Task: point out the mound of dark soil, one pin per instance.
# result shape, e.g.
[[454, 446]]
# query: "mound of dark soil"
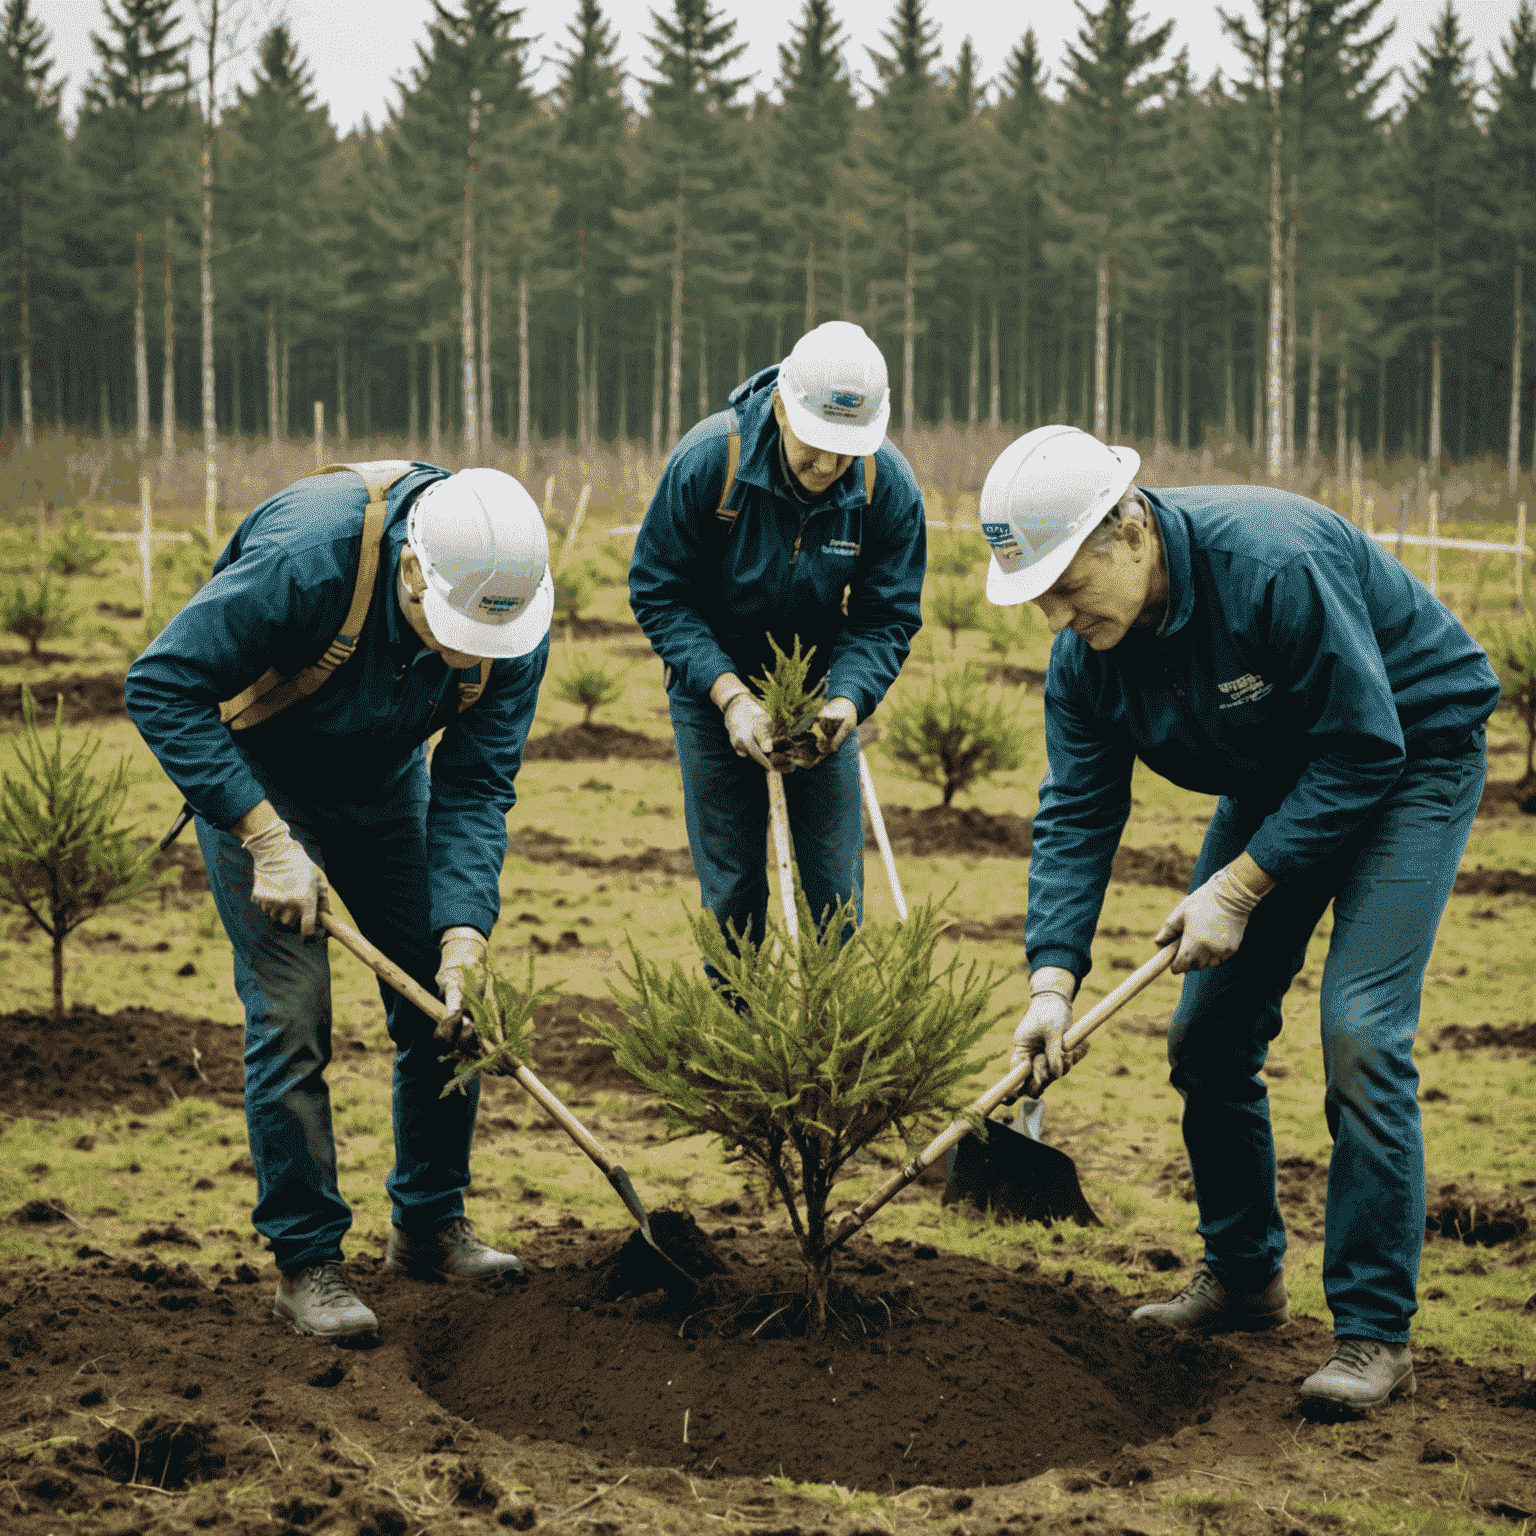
[[947, 829], [935, 1363], [1486, 1037], [1494, 882], [140, 1058], [1481, 1217], [85, 698], [564, 1049], [1506, 797], [589, 743], [551, 848]]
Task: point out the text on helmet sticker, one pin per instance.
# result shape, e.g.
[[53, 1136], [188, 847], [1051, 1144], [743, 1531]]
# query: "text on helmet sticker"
[[1005, 547]]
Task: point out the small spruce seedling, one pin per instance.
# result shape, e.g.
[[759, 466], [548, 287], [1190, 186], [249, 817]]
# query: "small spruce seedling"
[[503, 1019], [62, 855], [954, 734], [1513, 653], [589, 684], [792, 706]]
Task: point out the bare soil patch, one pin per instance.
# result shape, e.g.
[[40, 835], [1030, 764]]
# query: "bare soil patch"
[[551, 848], [590, 743], [1508, 797], [1486, 1037], [85, 698], [1479, 1217]]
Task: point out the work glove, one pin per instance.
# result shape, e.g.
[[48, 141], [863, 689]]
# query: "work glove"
[[462, 954], [750, 728], [1212, 920], [1038, 1039], [836, 722], [288, 885]]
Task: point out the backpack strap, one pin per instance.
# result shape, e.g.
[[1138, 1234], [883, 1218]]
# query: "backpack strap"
[[869, 480], [732, 463], [272, 692]]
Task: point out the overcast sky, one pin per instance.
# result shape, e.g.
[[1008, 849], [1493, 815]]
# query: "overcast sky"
[[360, 48]]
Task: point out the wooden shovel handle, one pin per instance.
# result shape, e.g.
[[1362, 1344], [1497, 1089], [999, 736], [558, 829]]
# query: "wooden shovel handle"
[[436, 1010], [779, 814], [1004, 1088]]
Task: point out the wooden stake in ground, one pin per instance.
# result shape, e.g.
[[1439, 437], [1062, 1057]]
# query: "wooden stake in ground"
[[575, 528], [877, 824], [1520, 558], [779, 814]]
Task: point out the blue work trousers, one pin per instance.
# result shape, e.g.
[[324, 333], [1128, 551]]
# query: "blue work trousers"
[[725, 800], [1389, 883], [375, 857]]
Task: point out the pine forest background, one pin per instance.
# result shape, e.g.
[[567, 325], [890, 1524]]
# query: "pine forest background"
[[1278, 264]]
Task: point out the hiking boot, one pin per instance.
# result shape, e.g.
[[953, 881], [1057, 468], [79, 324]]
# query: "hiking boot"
[[317, 1300], [453, 1250], [1205, 1305], [1361, 1374]]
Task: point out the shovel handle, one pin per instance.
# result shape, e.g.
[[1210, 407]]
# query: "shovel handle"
[[413, 992], [1005, 1088]]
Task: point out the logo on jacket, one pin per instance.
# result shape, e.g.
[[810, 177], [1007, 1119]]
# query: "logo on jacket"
[[846, 547], [1247, 689]]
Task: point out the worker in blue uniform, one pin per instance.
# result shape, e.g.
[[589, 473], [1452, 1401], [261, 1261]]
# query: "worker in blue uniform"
[[1246, 642], [351, 617], [785, 515]]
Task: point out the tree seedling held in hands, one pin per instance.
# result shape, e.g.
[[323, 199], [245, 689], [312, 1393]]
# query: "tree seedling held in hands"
[[589, 684], [502, 1019], [792, 706], [954, 734], [62, 856], [828, 1046]]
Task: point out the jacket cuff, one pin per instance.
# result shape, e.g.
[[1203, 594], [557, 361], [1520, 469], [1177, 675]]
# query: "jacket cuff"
[[1073, 960]]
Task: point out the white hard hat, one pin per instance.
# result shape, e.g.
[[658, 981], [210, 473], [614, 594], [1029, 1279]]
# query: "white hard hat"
[[1045, 494], [483, 550], [835, 389]]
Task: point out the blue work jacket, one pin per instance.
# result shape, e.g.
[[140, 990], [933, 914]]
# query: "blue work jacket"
[[1298, 668], [707, 594], [277, 598]]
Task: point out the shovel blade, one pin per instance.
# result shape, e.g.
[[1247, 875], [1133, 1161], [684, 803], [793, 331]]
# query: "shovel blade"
[[1017, 1178]]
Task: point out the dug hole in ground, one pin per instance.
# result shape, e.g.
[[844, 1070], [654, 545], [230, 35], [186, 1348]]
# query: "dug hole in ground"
[[145, 1386]]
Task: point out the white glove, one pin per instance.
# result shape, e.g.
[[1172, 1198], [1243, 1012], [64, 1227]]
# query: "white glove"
[[836, 722], [750, 728], [288, 885], [1038, 1039], [462, 952], [1212, 920]]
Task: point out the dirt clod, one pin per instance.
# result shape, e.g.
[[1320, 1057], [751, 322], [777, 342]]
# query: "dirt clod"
[[636, 1269], [163, 1452]]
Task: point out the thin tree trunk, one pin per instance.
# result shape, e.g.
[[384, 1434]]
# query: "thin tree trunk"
[[810, 281], [26, 344], [272, 373], [343, 432], [412, 399], [103, 387], [1381, 407], [1261, 377], [675, 371], [1026, 278], [658, 356], [581, 338], [703, 366], [623, 424], [205, 296], [285, 376], [1186, 405], [435, 403], [1341, 425], [1101, 352], [1292, 220], [236, 387], [168, 360], [909, 319], [467, 286], [741, 348], [1229, 392], [1436, 385], [994, 370], [1516, 359], [1090, 345], [140, 346], [1117, 379], [1275, 452], [485, 359], [58, 972], [973, 394], [1314, 388], [524, 369], [594, 399], [1159, 424], [1064, 369]]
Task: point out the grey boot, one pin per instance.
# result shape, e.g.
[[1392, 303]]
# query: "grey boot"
[[1205, 1305], [317, 1300], [453, 1250], [1361, 1374]]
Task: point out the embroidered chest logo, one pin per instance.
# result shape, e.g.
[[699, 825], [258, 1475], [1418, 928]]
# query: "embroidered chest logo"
[[1247, 689], [845, 547]]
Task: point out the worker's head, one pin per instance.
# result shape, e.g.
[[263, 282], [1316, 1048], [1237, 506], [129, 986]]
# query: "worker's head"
[[832, 402], [474, 573], [1070, 533]]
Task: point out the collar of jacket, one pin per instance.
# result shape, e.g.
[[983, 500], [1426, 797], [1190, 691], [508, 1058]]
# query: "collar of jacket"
[[1173, 528], [753, 404]]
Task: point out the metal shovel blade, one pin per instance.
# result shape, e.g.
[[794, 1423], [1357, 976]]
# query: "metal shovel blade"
[[626, 1192], [1017, 1178]]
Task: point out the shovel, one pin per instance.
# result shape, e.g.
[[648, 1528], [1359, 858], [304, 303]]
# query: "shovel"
[[1041, 1179], [445, 1018]]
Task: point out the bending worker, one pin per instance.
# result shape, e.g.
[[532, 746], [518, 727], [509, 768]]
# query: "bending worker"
[[1248, 643], [342, 627], [789, 515]]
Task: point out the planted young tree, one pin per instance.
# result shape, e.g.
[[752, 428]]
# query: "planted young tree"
[[956, 606], [35, 614], [589, 684], [955, 734], [75, 550], [62, 855], [1513, 652], [574, 588], [829, 1046]]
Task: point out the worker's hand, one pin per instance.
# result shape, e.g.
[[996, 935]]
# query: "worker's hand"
[[1038, 1039], [1211, 920], [836, 722], [750, 728], [462, 954], [288, 885]]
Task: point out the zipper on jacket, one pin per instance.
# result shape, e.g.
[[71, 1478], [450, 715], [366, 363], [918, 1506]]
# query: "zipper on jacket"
[[804, 516]]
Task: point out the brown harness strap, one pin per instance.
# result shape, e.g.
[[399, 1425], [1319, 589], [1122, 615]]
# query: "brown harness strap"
[[272, 693], [733, 462]]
